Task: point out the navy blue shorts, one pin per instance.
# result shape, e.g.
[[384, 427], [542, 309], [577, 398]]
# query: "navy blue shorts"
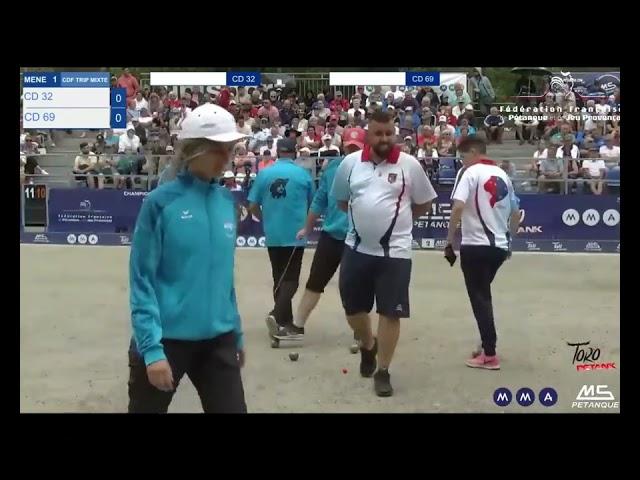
[[365, 278]]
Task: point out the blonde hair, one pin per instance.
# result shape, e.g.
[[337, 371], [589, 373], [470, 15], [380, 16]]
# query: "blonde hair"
[[187, 151]]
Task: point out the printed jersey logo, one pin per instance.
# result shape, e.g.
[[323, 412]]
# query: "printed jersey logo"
[[278, 188], [392, 177], [497, 188], [186, 215]]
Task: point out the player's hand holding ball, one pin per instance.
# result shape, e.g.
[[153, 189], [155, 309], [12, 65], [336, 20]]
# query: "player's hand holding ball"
[[160, 375], [450, 254]]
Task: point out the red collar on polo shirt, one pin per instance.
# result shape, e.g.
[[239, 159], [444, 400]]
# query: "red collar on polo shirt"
[[487, 161], [393, 157]]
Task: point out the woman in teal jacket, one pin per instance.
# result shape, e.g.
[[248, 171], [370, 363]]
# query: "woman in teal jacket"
[[183, 302]]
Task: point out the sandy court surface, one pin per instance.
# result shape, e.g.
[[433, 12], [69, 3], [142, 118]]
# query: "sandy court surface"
[[74, 334]]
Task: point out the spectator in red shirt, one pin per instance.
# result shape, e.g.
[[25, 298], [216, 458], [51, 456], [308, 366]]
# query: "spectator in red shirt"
[[224, 97], [269, 110], [339, 100], [129, 82], [172, 102]]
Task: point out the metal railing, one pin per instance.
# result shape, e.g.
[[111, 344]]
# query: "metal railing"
[[524, 179]]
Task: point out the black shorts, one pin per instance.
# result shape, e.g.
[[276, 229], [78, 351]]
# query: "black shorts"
[[325, 262], [365, 277]]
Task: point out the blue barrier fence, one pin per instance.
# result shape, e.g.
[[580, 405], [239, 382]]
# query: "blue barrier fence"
[[548, 222]]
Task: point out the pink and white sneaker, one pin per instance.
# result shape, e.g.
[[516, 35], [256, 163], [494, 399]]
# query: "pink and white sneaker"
[[484, 361], [477, 351]]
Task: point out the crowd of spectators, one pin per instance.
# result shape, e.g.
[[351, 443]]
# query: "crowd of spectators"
[[429, 124]]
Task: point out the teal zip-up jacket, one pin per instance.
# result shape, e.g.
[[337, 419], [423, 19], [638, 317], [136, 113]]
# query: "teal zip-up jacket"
[[336, 222], [181, 266]]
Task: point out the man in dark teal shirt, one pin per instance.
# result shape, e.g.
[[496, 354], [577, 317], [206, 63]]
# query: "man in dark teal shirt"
[[331, 242], [284, 191]]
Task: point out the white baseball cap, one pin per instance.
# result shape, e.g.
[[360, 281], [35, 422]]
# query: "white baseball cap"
[[442, 118], [211, 122]]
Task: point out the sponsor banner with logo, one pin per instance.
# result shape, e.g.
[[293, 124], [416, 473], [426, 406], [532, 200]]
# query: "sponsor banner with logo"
[[73, 210], [549, 223], [586, 83]]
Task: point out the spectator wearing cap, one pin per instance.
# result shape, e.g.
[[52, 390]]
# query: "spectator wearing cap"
[[130, 83], [443, 126], [100, 147], [469, 116], [281, 196], [241, 181], [328, 145], [229, 180], [269, 111], [339, 99], [114, 82], [459, 109], [311, 140], [129, 142], [427, 117], [494, 126]]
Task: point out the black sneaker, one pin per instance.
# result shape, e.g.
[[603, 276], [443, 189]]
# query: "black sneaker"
[[368, 362], [382, 383], [290, 332]]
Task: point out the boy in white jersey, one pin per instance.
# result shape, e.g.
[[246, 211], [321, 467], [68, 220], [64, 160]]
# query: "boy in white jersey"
[[484, 199], [383, 190]]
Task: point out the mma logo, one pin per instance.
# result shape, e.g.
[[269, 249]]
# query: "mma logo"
[[241, 241], [252, 241], [525, 396], [262, 241]]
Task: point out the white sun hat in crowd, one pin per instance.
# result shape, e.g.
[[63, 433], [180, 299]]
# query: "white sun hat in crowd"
[[228, 174], [211, 122]]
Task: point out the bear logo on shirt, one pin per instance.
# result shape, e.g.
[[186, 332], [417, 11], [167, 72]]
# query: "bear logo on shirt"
[[278, 188], [497, 188]]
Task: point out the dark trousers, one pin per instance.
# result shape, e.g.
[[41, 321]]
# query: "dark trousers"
[[285, 269], [211, 365], [479, 266]]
